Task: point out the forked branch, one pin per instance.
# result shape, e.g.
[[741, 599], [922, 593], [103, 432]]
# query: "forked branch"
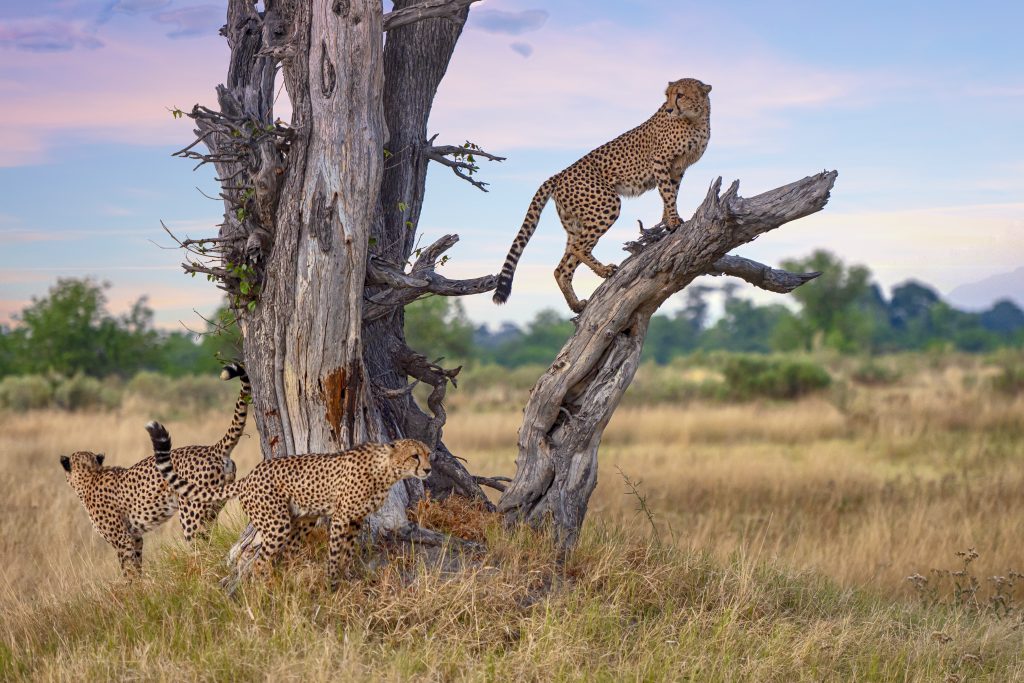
[[404, 288], [428, 9], [462, 161]]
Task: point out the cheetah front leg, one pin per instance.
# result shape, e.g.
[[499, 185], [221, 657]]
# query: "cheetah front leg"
[[342, 544], [668, 188]]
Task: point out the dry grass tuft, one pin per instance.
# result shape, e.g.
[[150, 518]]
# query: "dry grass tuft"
[[456, 516]]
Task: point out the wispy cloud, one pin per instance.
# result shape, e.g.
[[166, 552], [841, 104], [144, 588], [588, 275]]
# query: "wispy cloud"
[[23, 235], [197, 20], [121, 93], [509, 23], [47, 35], [130, 8], [525, 49]]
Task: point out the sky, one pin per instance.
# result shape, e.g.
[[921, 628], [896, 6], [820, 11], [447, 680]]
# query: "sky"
[[918, 105]]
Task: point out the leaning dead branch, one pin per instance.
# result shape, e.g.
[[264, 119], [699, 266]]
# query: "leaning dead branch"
[[569, 407]]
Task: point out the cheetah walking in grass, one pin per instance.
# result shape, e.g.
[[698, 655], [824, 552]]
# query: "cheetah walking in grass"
[[285, 496], [126, 502]]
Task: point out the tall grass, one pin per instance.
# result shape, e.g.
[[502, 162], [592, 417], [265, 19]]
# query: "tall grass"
[[788, 531]]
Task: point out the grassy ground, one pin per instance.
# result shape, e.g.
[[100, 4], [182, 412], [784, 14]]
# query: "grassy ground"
[[782, 538]]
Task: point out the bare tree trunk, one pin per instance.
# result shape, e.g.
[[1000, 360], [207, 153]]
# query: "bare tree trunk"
[[304, 204], [416, 57], [569, 407]]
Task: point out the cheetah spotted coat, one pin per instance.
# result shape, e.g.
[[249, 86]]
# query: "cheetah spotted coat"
[[124, 503], [654, 154], [284, 497]]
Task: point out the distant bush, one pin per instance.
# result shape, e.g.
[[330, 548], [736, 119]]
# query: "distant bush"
[[676, 383], [748, 377], [25, 392], [871, 372], [1010, 379], [172, 397], [82, 392]]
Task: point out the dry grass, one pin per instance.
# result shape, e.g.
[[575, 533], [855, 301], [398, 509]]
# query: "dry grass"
[[789, 531]]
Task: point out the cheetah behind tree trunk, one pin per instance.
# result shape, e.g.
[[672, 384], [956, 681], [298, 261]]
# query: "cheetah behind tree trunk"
[[654, 154], [124, 503], [285, 496]]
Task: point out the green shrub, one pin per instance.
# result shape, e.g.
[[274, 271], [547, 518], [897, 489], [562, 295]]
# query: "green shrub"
[[748, 377], [82, 392], [25, 392]]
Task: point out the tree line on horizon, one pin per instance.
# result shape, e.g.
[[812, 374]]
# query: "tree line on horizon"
[[70, 331]]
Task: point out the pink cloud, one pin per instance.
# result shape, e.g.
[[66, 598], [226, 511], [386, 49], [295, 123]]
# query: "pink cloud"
[[574, 91], [121, 93], [47, 35]]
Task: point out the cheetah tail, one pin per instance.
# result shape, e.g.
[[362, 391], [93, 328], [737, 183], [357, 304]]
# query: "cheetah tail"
[[237, 426], [508, 271], [183, 488]]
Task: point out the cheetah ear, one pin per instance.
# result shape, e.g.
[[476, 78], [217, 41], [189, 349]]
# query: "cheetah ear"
[[99, 458], [65, 462], [707, 88]]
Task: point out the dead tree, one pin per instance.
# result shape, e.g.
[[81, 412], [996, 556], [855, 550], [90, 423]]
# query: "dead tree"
[[320, 221], [569, 407]]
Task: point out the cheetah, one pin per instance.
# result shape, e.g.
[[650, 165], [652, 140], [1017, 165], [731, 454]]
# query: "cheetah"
[[285, 496], [654, 154], [124, 503]]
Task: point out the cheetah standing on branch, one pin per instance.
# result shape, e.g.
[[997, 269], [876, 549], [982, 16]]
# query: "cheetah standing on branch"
[[654, 154], [124, 503], [285, 496]]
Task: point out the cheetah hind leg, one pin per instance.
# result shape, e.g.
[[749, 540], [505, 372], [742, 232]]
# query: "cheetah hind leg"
[[604, 270], [594, 221], [129, 554], [563, 276], [302, 527]]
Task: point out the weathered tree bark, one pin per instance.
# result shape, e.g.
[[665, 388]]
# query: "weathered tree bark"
[[307, 202], [569, 407]]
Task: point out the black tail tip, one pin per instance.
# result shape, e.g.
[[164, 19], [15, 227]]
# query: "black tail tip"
[[502, 291], [232, 370], [157, 432]]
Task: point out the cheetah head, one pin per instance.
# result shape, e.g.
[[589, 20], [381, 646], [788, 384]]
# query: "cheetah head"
[[81, 466], [411, 458], [687, 99]]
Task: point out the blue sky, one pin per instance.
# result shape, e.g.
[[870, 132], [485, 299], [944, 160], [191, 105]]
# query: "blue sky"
[[918, 105]]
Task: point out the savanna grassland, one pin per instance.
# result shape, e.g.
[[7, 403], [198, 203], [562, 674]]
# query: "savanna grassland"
[[776, 544]]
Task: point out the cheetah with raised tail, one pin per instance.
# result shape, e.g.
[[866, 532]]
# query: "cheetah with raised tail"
[[654, 154], [285, 496], [124, 503]]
